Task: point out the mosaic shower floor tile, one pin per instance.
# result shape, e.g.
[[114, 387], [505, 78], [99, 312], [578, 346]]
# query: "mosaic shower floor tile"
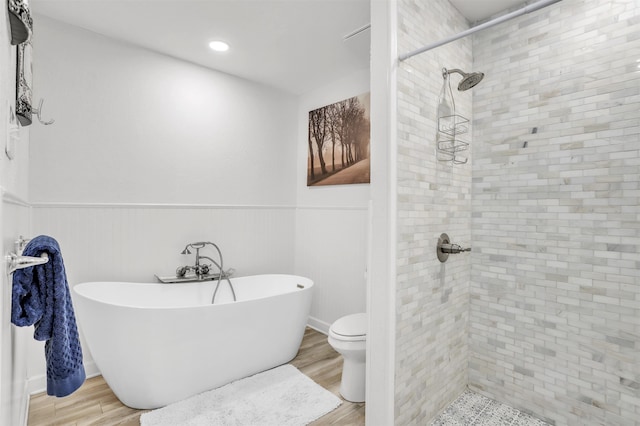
[[473, 409]]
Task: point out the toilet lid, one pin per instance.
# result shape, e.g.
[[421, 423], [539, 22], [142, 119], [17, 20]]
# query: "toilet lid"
[[351, 326]]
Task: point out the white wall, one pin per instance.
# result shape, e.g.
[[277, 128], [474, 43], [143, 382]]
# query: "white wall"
[[381, 279], [331, 221], [134, 126], [132, 243], [14, 220], [16, 341]]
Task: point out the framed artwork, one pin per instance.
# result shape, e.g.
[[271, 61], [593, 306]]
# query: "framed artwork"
[[24, 78], [339, 141]]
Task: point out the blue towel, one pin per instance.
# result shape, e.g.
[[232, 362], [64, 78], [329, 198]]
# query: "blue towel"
[[41, 297]]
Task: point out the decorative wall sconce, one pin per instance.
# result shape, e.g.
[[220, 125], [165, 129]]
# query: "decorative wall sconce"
[[23, 84], [20, 21], [21, 31], [24, 77]]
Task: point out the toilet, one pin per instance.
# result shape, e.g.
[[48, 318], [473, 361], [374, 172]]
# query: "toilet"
[[348, 336]]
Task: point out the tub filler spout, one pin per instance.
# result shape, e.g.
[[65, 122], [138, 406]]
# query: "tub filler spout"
[[202, 270]]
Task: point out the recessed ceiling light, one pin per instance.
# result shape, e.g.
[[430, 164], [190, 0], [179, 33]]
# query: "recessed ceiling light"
[[219, 46]]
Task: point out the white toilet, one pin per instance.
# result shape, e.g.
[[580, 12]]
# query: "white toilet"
[[348, 336]]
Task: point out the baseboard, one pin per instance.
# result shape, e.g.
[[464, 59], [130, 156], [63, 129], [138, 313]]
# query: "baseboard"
[[38, 384], [318, 325]]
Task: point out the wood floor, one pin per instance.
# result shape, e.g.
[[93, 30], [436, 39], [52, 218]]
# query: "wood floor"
[[95, 404]]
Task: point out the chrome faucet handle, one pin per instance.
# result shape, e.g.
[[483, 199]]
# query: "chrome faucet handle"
[[181, 271], [202, 270]]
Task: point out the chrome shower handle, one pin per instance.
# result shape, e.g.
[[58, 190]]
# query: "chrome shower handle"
[[445, 248], [453, 248]]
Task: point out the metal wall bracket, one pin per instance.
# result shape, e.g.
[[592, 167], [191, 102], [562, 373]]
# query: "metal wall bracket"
[[15, 262]]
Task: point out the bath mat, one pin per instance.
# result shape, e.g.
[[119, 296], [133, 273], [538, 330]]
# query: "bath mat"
[[278, 397]]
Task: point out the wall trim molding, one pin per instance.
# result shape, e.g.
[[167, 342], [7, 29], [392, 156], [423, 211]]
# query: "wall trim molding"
[[11, 198], [62, 205], [160, 206], [361, 208]]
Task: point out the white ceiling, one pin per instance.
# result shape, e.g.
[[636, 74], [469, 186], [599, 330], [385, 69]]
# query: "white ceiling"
[[478, 10], [294, 45]]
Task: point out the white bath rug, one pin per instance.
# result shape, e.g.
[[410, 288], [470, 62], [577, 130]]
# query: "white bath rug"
[[278, 397]]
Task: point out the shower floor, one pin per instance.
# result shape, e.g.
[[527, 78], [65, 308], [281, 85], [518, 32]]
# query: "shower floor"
[[472, 409]]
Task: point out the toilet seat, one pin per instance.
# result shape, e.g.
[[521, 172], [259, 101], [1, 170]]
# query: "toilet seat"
[[350, 328]]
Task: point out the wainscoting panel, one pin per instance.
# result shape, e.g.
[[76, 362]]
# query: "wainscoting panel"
[[331, 249], [132, 243], [14, 341]]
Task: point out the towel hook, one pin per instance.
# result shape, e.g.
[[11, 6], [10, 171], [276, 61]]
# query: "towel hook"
[[38, 112]]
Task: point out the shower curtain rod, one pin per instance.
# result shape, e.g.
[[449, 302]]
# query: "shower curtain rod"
[[527, 9]]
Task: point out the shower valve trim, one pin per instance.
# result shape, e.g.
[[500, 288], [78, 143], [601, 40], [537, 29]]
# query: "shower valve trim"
[[445, 248]]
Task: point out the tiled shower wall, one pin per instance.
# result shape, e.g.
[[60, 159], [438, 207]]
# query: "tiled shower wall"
[[432, 298], [555, 288]]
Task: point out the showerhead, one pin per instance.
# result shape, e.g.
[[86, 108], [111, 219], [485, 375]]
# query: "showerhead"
[[468, 80]]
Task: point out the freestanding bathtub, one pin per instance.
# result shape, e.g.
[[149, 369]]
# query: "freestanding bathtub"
[[160, 343]]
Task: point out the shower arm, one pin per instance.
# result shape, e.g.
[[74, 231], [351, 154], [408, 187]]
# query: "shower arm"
[[527, 9], [456, 70]]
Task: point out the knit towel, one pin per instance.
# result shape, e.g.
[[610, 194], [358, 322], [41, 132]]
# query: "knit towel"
[[41, 297]]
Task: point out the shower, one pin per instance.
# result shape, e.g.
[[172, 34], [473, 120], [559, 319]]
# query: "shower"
[[468, 81]]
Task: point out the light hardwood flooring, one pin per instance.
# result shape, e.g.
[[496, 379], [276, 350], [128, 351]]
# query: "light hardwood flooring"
[[95, 404]]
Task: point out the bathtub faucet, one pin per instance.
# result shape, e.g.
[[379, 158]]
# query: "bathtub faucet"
[[203, 269], [199, 269]]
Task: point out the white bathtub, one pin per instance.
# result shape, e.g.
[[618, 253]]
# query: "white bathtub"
[[160, 343]]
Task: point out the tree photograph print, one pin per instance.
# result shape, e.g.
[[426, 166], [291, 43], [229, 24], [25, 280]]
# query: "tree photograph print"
[[339, 143]]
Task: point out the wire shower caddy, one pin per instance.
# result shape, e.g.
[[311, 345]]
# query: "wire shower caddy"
[[449, 146]]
